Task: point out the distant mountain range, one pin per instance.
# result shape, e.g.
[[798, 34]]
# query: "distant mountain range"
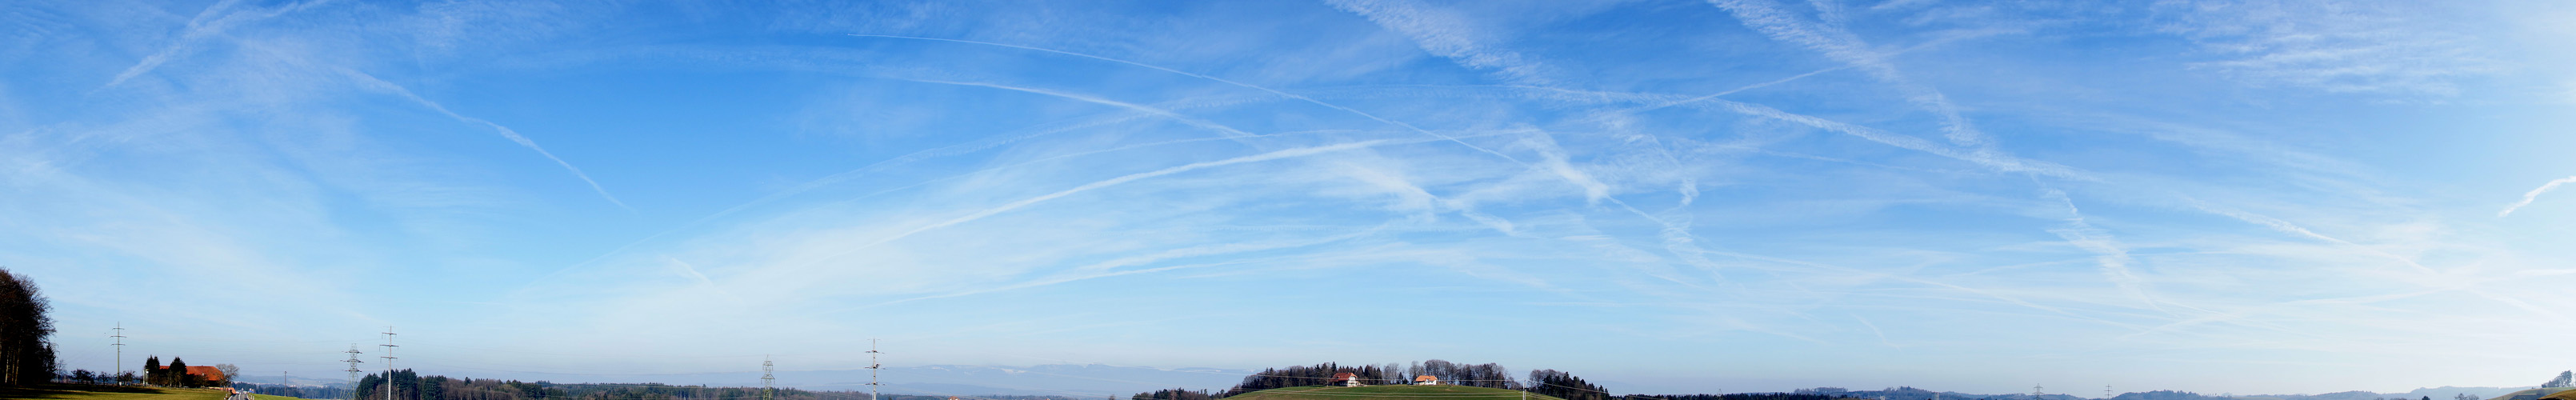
[[1072, 381], [1908, 393], [1097, 380]]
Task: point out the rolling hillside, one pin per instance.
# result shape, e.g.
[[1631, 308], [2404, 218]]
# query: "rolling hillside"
[[2555, 392], [2561, 394], [1388, 392]]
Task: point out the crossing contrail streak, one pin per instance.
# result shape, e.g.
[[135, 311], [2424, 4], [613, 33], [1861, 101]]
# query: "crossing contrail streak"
[[506, 132]]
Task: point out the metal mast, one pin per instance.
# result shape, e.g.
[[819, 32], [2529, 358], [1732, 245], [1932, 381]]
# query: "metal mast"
[[353, 367], [389, 362], [120, 349], [767, 391], [873, 366], [2035, 393]]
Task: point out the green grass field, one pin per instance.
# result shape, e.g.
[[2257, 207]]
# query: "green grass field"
[[91, 392], [1388, 392]]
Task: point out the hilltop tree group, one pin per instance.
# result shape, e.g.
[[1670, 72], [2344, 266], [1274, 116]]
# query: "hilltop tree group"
[[1565, 386], [26, 354], [1544, 382]]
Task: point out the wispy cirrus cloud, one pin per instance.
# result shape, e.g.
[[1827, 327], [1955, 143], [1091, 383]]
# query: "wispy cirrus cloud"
[[2335, 46], [1809, 184]]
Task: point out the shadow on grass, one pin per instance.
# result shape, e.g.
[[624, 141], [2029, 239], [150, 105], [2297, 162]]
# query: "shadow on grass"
[[62, 391]]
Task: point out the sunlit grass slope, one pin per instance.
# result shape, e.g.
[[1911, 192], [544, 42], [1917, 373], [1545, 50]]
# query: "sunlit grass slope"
[[2560, 394], [1387, 392]]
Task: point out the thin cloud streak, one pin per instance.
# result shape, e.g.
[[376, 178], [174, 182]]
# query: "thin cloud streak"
[[1842, 45], [380, 85], [1007, 207], [2534, 194], [198, 30]]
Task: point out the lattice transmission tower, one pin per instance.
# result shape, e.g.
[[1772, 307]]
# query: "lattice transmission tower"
[[353, 366], [120, 351], [768, 391]]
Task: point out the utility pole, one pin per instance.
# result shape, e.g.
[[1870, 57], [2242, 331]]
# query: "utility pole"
[[120, 350], [2035, 392], [873, 366], [2106, 392], [767, 392], [389, 362]]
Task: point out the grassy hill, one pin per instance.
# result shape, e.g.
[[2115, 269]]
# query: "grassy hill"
[[93, 392], [2550, 392], [1387, 392], [2561, 394]]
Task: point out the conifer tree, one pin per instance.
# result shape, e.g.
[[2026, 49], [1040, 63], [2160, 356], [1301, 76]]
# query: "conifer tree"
[[152, 371], [178, 373]]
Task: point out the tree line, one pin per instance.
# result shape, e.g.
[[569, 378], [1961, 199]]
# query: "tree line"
[[26, 353], [176, 374], [1545, 382], [304, 392], [409, 385], [1479, 375]]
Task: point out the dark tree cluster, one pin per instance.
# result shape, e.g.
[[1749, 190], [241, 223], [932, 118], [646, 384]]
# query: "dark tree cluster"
[[2564, 379], [1565, 386], [1174, 394], [26, 356], [295, 391], [1488, 375], [173, 375], [1305, 375], [97, 377], [2174, 395], [408, 385], [656, 391]]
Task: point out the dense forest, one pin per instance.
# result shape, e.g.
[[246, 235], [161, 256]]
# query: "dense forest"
[[1565, 386], [26, 356]]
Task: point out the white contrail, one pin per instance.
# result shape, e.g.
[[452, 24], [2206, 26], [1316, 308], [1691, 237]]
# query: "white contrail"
[[2113, 259], [199, 29], [1275, 155], [1229, 132], [2534, 194], [1981, 156], [506, 132], [1445, 35], [1309, 100], [1842, 45], [2286, 226], [1685, 246]]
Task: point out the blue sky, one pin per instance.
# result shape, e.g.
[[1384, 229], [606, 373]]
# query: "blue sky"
[[1674, 196]]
